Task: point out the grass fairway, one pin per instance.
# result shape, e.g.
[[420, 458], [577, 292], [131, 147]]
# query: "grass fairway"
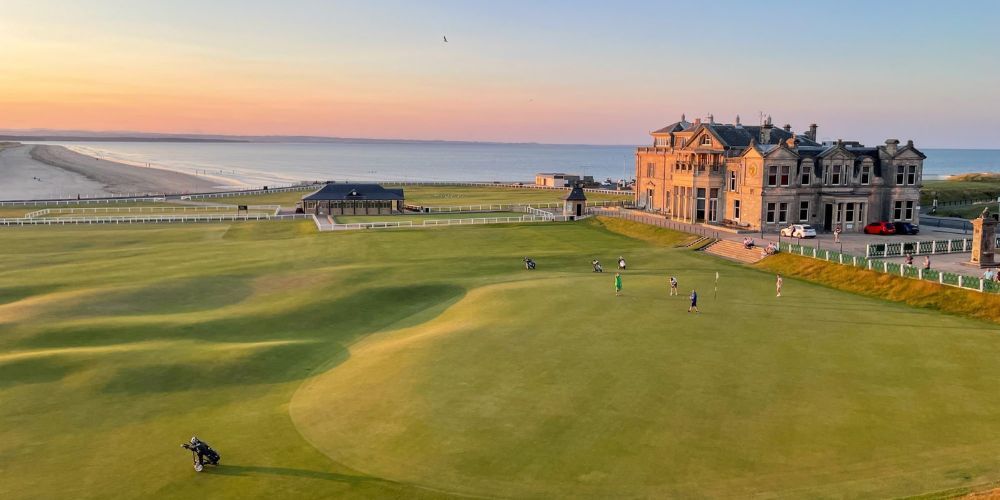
[[428, 364], [438, 196]]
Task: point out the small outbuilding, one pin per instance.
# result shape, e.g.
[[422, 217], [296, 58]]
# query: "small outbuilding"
[[576, 202], [353, 199]]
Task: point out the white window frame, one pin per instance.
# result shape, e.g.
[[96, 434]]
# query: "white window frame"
[[736, 209], [769, 217], [706, 140], [784, 175], [866, 175], [733, 184], [782, 212], [900, 175], [804, 176], [836, 174], [772, 168], [803, 210], [911, 175]]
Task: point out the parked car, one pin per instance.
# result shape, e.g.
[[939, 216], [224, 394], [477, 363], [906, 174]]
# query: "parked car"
[[880, 228], [905, 228], [799, 231]]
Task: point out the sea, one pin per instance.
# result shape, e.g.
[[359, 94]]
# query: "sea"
[[274, 163]]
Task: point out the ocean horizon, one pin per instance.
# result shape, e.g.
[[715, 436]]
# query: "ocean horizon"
[[259, 163]]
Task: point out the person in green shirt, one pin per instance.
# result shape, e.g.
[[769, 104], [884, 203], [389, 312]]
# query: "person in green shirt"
[[618, 284]]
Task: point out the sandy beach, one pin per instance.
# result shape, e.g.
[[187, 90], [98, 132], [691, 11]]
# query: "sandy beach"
[[44, 172]]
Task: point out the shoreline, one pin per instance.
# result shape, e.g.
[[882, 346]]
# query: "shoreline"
[[122, 178], [33, 172]]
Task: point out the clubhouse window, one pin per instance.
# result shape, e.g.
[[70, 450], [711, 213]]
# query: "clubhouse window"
[[661, 141], [806, 170], [849, 212], [900, 174], [732, 180], [835, 175], [772, 175], [803, 211], [903, 210], [650, 169], [785, 174], [706, 140], [770, 212], [782, 212], [911, 175], [866, 175], [736, 209]]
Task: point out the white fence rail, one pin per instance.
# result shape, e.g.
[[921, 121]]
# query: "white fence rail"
[[253, 192], [929, 247], [898, 269], [149, 219], [434, 222], [84, 201], [112, 211], [508, 207]]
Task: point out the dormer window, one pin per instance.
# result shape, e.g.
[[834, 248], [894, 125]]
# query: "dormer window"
[[706, 140]]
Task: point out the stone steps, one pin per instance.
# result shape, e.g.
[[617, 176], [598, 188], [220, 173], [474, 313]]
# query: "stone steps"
[[733, 250]]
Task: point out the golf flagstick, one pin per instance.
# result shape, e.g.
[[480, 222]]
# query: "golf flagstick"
[[716, 284]]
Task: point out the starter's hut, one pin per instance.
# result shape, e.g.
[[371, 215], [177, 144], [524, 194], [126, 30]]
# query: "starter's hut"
[[353, 199], [576, 202]]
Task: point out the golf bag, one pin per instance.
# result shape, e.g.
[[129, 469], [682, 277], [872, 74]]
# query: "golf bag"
[[203, 455], [529, 264]]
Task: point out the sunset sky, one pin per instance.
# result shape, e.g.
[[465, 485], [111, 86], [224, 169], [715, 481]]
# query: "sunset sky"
[[558, 72]]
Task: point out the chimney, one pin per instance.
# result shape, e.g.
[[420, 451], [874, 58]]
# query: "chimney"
[[891, 146], [738, 121], [909, 143], [697, 121], [787, 127], [711, 118], [812, 132], [765, 131]]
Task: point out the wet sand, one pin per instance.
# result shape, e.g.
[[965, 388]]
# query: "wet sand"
[[45, 172]]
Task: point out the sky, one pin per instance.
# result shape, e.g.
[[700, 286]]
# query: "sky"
[[579, 72]]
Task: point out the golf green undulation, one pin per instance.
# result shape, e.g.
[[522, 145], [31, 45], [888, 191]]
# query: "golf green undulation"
[[429, 363]]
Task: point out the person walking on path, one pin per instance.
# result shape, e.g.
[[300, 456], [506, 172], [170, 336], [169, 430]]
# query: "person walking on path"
[[777, 284], [836, 234], [927, 262], [673, 286], [618, 284], [694, 301]]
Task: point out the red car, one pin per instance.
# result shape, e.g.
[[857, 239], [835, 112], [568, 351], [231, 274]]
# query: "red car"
[[884, 228]]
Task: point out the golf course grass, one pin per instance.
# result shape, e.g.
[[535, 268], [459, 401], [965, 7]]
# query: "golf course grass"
[[352, 219], [430, 364], [440, 196]]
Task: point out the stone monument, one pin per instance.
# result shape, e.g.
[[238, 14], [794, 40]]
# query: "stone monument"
[[984, 240]]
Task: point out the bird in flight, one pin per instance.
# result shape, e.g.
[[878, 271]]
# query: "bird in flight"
[[445, 39]]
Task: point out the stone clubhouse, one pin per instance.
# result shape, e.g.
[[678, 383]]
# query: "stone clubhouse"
[[353, 199]]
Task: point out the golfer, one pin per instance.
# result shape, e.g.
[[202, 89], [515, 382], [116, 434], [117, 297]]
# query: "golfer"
[[618, 284], [673, 286], [694, 301], [777, 284]]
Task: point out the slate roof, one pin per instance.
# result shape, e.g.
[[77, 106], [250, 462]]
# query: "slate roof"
[[576, 194], [674, 127], [337, 192]]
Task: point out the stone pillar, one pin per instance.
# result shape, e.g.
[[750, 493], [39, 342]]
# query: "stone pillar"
[[984, 233]]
